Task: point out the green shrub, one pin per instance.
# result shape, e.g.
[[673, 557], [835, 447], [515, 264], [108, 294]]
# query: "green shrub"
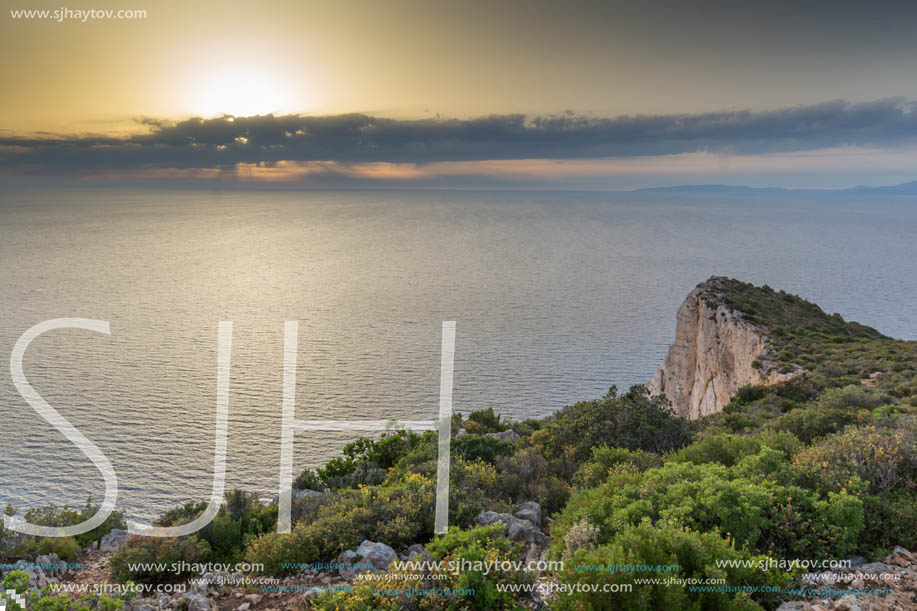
[[885, 458], [365, 461], [527, 476], [308, 479], [727, 449], [241, 518], [398, 513], [894, 415], [810, 423], [58, 517], [889, 521], [695, 554], [634, 421], [388, 449], [182, 514], [152, 551], [227, 536], [481, 544], [363, 473], [786, 521], [66, 548], [750, 393], [604, 459], [47, 601], [484, 421], [338, 467], [459, 549], [18, 581], [480, 447], [768, 465], [853, 397]]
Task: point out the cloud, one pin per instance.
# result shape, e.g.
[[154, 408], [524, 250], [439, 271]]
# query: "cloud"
[[317, 144]]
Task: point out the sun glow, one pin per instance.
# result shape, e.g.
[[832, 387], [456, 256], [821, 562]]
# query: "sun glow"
[[241, 94]]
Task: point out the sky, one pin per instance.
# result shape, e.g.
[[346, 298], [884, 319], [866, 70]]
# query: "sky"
[[597, 94]]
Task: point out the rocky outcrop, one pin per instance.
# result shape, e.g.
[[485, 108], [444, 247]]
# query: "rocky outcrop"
[[114, 540], [531, 511], [510, 436], [369, 556], [516, 527], [44, 571], [714, 354]]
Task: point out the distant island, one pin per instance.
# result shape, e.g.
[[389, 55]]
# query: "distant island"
[[771, 463], [907, 188]]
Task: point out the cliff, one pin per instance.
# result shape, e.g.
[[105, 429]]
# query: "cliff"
[[716, 351]]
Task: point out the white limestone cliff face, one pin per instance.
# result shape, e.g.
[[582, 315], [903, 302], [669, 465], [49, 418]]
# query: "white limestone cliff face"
[[712, 356]]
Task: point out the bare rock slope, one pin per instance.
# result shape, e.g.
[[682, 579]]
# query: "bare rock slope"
[[715, 353]]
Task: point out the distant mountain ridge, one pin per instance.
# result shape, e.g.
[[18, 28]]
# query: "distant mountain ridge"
[[907, 188]]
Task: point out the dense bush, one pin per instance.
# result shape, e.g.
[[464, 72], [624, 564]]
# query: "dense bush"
[[48, 600], [787, 521], [398, 514], [634, 421], [695, 554], [476, 589], [152, 551], [809, 423], [480, 447], [850, 398], [388, 449], [308, 479], [65, 547], [604, 459], [17, 581], [484, 421], [365, 461], [527, 476], [768, 465], [728, 449], [240, 520], [750, 393], [362, 473], [884, 458], [889, 521]]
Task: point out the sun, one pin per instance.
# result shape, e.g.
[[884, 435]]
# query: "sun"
[[241, 94]]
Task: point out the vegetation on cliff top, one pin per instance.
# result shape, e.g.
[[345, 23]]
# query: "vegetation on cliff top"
[[803, 336], [783, 313]]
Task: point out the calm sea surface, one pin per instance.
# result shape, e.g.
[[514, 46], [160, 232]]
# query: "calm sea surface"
[[557, 296]]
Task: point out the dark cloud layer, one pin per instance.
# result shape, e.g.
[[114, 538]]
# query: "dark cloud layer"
[[355, 138]]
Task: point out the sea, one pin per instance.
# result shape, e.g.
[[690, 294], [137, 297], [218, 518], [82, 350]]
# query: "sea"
[[556, 296]]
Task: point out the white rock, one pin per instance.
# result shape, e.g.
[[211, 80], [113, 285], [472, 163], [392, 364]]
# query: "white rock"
[[198, 602], [711, 357], [531, 511]]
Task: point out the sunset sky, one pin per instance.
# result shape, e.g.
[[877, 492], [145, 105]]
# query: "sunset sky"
[[447, 93]]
